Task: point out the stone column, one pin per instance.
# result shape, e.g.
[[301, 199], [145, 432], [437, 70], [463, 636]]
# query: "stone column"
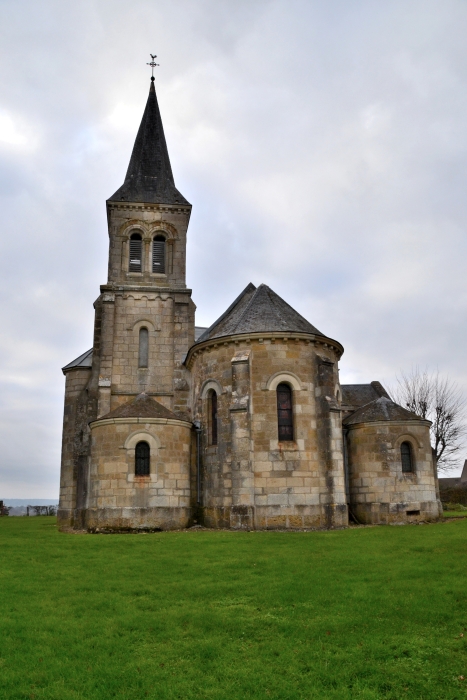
[[331, 445], [242, 473], [106, 352]]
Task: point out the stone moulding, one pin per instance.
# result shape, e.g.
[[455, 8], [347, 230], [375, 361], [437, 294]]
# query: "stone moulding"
[[385, 423], [273, 381], [207, 345], [210, 384], [148, 207], [141, 421]]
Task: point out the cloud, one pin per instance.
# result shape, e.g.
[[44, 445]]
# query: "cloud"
[[322, 145]]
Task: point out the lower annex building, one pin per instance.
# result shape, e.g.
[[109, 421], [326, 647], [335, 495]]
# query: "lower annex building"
[[241, 425]]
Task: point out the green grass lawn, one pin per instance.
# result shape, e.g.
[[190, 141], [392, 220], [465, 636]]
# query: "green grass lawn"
[[367, 613]]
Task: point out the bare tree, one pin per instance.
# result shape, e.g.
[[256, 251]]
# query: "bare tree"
[[441, 401]]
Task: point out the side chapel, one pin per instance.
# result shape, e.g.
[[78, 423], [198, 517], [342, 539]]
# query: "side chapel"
[[241, 425]]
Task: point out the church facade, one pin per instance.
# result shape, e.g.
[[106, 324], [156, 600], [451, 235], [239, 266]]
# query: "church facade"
[[241, 425]]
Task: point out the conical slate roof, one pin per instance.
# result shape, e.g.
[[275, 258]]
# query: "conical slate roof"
[[149, 176], [258, 310], [84, 360], [141, 407], [381, 409]]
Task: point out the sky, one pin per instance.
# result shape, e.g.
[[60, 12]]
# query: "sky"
[[322, 144]]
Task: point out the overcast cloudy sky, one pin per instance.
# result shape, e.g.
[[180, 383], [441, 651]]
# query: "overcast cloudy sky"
[[322, 143]]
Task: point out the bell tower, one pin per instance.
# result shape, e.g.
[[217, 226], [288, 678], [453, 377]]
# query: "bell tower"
[[144, 314], [144, 327]]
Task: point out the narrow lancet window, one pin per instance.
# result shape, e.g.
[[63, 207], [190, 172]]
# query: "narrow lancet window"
[[212, 407], [284, 412], [143, 354], [407, 457], [142, 453], [158, 254], [136, 251]]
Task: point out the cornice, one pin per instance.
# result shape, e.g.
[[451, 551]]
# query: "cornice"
[[141, 421], [142, 206], [317, 340], [376, 423], [119, 289]]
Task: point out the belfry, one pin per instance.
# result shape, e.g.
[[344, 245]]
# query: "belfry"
[[241, 425]]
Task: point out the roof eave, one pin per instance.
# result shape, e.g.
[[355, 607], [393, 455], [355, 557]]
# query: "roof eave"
[[266, 335]]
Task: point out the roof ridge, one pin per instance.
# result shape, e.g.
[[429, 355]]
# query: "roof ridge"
[[247, 306]]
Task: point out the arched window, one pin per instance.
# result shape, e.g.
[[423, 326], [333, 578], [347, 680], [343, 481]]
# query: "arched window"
[[143, 353], [158, 254], [212, 417], [136, 251], [407, 457], [142, 459], [284, 412]]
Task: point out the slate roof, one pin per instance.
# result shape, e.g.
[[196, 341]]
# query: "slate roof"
[[149, 176], [84, 360], [141, 407], [258, 310], [356, 395], [199, 330], [382, 409]]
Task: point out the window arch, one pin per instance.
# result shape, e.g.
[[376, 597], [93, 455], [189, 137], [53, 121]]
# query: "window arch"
[[136, 253], [212, 417], [158, 254], [142, 459], [407, 457], [284, 412], [143, 350]]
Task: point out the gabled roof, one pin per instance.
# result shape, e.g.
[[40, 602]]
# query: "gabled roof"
[[84, 360], [258, 310], [382, 409], [149, 176], [141, 407]]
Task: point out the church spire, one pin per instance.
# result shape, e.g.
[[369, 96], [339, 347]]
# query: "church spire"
[[149, 176]]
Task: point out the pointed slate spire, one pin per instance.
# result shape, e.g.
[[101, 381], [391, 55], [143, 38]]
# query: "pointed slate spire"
[[149, 176]]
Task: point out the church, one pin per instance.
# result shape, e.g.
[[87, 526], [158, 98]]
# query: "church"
[[241, 425]]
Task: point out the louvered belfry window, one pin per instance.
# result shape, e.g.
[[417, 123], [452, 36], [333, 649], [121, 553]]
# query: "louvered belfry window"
[[136, 250], [284, 412], [142, 459], [406, 457], [158, 255]]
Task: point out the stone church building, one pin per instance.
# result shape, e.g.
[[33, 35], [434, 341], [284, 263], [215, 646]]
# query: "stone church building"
[[241, 425]]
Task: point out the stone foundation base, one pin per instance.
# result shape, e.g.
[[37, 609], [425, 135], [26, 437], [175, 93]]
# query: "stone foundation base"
[[387, 513], [322, 517], [124, 519]]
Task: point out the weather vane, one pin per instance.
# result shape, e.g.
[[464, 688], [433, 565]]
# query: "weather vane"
[[153, 64]]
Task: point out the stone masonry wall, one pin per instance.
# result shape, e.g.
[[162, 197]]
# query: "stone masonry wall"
[[74, 444], [379, 491], [250, 478], [118, 499]]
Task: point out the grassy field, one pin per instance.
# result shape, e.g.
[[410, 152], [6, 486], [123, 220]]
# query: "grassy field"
[[366, 613]]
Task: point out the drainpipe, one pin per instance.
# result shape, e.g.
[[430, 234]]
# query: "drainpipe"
[[197, 427]]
